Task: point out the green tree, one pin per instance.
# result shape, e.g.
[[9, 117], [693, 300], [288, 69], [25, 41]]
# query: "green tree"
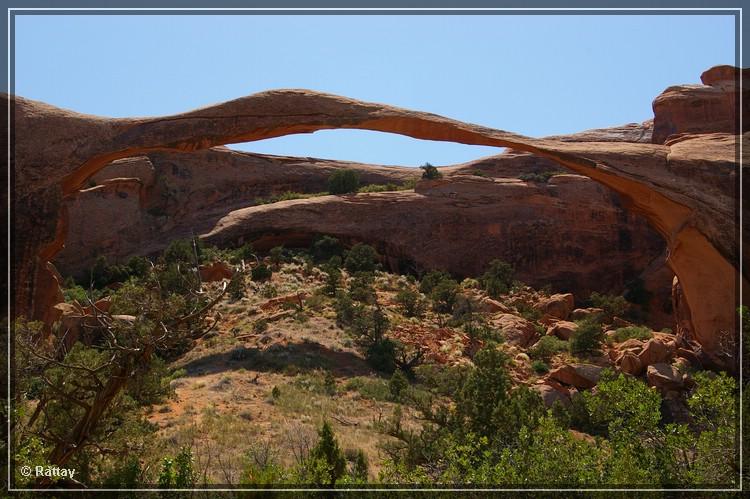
[[588, 337], [431, 279], [430, 172], [326, 247], [410, 302], [361, 258], [397, 385], [328, 453], [343, 182], [498, 278], [443, 296]]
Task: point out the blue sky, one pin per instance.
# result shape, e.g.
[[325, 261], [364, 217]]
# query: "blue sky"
[[535, 75]]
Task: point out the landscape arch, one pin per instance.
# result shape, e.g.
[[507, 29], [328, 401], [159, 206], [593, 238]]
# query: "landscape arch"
[[699, 230]]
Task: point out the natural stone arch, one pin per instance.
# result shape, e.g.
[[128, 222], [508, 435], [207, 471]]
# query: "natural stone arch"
[[696, 224]]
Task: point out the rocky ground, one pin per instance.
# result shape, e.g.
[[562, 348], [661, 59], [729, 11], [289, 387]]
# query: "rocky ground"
[[276, 365]]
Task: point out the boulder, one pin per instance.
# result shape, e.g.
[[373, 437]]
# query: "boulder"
[[630, 364], [550, 395], [577, 375], [582, 313], [654, 352], [490, 306], [516, 330], [558, 306], [562, 329], [296, 298], [215, 271], [665, 378]]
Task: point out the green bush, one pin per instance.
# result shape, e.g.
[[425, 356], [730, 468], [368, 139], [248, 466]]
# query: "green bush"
[[261, 273], [343, 182], [443, 296], [325, 247], [539, 367], [430, 172], [381, 355], [183, 251], [431, 279], [612, 305], [637, 332], [361, 258], [333, 277], [397, 385], [547, 347], [361, 288], [328, 453], [276, 255], [497, 279], [236, 287], [410, 302], [587, 338], [540, 177]]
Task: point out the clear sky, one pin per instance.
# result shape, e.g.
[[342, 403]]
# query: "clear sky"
[[534, 75]]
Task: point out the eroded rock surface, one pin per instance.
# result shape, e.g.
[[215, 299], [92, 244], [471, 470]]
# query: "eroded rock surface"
[[684, 188]]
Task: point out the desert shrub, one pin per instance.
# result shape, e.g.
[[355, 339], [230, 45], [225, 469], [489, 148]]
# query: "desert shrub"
[[261, 273], [479, 173], [333, 278], [344, 306], [587, 338], [497, 279], [276, 255], [612, 305], [528, 312], [361, 258], [343, 182], [361, 288], [397, 385], [288, 196], [381, 355], [326, 461], [539, 367], [324, 248], [371, 388], [547, 347], [431, 279], [245, 252], [360, 468], [430, 172], [540, 177], [443, 296], [178, 473], [637, 332], [410, 302], [260, 326], [236, 286], [183, 251]]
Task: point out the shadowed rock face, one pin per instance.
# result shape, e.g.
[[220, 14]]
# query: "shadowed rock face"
[[684, 188], [570, 232]]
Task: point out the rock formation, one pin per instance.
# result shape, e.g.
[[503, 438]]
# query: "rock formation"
[[569, 232], [684, 187]]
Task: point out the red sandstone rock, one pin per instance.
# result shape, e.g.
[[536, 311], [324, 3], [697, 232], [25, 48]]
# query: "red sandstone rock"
[[582, 313], [578, 375], [215, 271], [684, 187], [630, 364], [665, 377], [654, 352], [516, 330], [557, 306], [563, 329]]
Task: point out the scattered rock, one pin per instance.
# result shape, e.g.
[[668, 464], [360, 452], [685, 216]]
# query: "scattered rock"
[[578, 375], [556, 306], [654, 352], [630, 364], [563, 329], [516, 330], [665, 377], [550, 395], [582, 313], [215, 271]]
